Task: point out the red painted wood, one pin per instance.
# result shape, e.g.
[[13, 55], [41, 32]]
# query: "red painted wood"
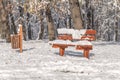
[[62, 50], [62, 47], [21, 34], [90, 31], [65, 37], [86, 53], [89, 35]]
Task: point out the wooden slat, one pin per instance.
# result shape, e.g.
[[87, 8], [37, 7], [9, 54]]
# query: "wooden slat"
[[90, 31], [89, 35], [82, 47], [65, 37], [15, 41]]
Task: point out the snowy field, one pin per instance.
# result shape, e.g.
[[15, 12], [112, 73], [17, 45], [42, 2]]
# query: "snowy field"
[[39, 61]]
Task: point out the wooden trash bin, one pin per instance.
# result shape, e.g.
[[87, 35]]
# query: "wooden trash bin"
[[16, 39]]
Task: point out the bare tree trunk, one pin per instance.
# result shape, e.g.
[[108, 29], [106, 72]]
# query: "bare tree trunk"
[[51, 31], [75, 13], [4, 10], [116, 29], [2, 19]]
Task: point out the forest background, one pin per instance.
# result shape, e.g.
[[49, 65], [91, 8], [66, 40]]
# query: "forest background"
[[42, 18]]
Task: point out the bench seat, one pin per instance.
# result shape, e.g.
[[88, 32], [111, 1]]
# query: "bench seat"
[[86, 46]]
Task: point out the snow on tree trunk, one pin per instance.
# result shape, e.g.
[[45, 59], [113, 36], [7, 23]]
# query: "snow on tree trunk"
[[104, 17]]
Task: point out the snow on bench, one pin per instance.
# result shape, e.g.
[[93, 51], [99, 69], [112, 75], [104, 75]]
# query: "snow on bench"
[[86, 46], [72, 34], [67, 42]]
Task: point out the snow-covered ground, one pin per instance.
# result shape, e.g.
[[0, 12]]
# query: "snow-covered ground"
[[39, 61]]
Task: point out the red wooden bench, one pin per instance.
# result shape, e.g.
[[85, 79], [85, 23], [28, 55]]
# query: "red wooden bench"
[[16, 39], [79, 46], [88, 35]]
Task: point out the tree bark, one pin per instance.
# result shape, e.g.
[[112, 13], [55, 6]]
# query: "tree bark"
[[2, 19], [51, 31], [75, 14]]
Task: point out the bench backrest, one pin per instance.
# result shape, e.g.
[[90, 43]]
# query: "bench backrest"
[[89, 34]]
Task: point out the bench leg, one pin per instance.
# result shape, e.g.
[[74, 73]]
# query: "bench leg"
[[86, 53], [61, 52]]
